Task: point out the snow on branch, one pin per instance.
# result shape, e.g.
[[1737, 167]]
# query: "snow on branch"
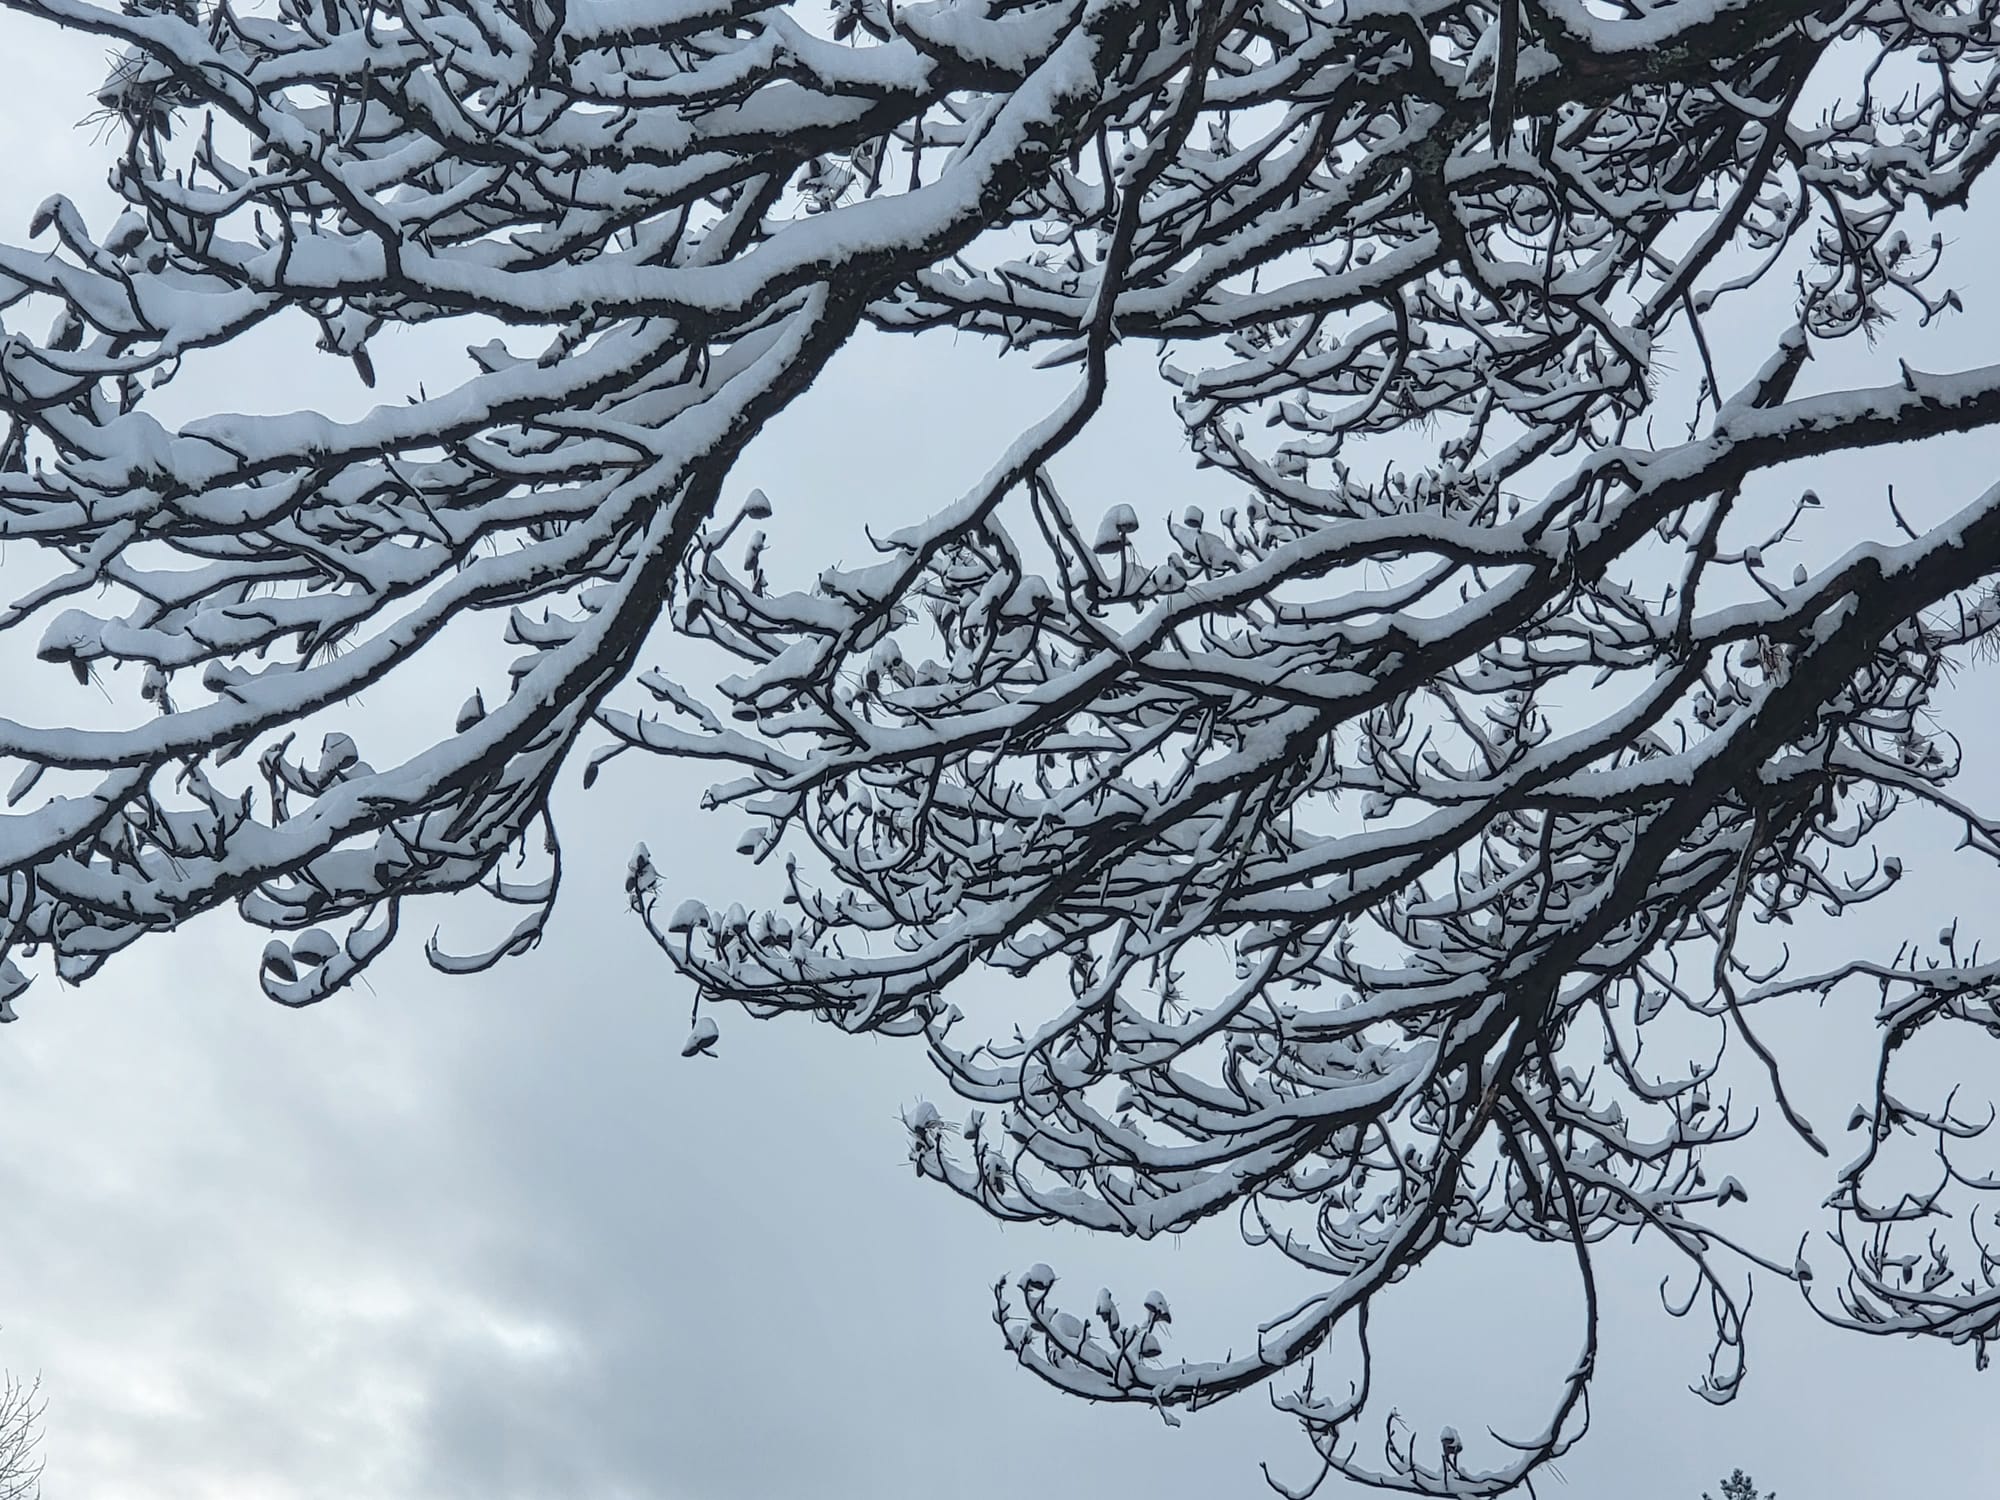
[[659, 209], [1390, 838]]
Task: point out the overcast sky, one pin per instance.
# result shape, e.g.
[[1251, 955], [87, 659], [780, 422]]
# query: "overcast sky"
[[495, 1238]]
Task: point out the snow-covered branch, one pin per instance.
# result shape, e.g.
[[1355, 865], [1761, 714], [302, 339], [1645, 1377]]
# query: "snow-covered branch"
[[1378, 833]]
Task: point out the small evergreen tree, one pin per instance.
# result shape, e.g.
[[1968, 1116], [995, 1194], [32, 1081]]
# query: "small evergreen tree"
[[1740, 1486]]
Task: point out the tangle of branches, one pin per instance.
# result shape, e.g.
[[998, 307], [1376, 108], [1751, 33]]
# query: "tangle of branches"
[[1367, 830]]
